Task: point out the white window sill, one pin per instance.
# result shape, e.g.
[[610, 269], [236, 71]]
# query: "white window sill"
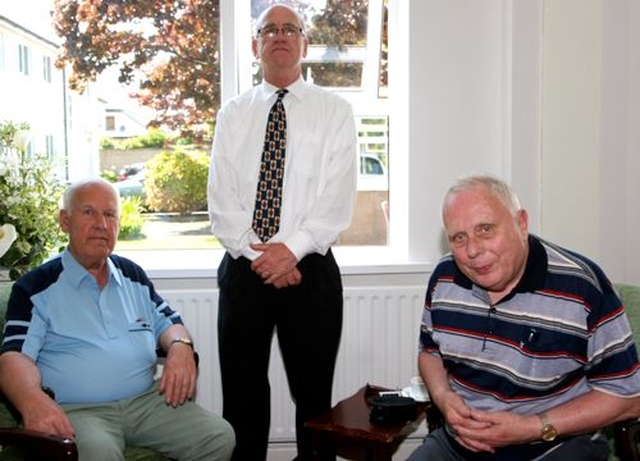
[[164, 264]]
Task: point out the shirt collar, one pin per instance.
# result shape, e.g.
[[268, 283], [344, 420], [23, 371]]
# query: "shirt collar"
[[297, 89], [534, 272], [77, 273]]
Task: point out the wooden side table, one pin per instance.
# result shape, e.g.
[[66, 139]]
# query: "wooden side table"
[[346, 429]]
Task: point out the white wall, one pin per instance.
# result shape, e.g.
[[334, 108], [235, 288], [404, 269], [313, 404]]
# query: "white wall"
[[544, 94], [473, 103], [590, 141]]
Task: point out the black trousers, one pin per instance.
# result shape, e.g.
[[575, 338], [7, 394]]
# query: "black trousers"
[[307, 320]]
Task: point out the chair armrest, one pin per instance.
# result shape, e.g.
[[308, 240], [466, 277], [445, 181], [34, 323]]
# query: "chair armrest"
[[627, 436], [40, 445]]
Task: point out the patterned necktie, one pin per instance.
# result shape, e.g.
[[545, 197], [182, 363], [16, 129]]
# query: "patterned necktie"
[[266, 214]]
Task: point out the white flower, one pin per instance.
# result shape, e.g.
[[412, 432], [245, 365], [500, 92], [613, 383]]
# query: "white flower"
[[7, 237]]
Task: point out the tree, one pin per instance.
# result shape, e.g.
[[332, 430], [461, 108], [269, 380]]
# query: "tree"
[[172, 46], [342, 22]]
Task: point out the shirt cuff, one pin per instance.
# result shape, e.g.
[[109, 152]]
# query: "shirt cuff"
[[301, 244]]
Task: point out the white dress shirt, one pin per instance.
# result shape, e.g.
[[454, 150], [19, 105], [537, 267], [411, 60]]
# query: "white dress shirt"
[[320, 169]]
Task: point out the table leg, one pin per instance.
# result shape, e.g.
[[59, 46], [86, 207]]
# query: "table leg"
[[379, 452], [322, 446]]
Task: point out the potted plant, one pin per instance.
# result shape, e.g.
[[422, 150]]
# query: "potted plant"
[[29, 203]]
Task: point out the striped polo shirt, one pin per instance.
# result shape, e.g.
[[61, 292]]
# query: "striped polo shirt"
[[559, 334], [90, 344]]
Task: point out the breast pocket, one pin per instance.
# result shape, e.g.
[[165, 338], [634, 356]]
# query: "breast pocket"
[[140, 325], [141, 335]]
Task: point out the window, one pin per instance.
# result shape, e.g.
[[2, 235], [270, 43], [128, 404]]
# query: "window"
[[46, 68], [23, 56], [348, 54], [49, 146], [2, 52], [110, 123]]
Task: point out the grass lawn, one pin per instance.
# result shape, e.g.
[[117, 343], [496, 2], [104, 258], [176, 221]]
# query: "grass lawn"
[[172, 231]]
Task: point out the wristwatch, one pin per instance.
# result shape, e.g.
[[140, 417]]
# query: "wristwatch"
[[186, 341], [549, 433]]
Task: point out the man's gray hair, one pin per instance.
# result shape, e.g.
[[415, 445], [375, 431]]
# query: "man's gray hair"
[[497, 187], [70, 192], [261, 19]]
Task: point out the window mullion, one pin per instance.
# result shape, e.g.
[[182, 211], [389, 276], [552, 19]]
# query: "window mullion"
[[371, 65]]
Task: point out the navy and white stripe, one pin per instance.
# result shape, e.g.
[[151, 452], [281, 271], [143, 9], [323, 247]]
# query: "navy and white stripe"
[[562, 332], [59, 316]]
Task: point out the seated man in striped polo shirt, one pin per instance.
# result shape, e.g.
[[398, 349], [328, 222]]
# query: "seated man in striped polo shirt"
[[525, 346], [87, 324]]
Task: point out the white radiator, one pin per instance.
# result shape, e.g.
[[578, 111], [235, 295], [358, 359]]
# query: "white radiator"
[[379, 346]]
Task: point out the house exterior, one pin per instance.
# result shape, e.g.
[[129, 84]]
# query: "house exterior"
[[63, 124], [123, 123]]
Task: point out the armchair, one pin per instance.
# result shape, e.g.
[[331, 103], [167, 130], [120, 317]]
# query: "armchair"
[[18, 444], [627, 433]]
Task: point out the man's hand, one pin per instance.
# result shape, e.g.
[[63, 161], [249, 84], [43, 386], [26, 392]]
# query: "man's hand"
[[469, 432], [501, 428], [178, 382], [45, 415], [276, 265], [479, 430]]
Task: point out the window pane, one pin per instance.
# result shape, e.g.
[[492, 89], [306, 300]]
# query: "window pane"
[[337, 40], [334, 74], [338, 59], [134, 156], [371, 215], [46, 68]]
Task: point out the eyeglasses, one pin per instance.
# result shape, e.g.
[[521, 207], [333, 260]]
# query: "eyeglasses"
[[288, 31]]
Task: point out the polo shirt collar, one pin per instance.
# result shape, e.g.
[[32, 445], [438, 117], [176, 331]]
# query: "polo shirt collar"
[[77, 273], [533, 277]]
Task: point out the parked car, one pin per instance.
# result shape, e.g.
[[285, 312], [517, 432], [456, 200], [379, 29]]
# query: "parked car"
[[130, 170], [372, 173], [132, 184]]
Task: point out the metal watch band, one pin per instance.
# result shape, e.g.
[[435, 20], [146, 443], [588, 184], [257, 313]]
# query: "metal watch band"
[[186, 341]]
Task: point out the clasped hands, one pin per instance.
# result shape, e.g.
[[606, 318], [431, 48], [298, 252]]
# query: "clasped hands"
[[479, 430], [276, 265]]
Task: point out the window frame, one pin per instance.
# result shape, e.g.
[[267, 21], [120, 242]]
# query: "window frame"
[[47, 68], [24, 56], [236, 77]]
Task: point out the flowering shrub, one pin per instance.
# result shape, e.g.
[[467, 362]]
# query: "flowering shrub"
[[29, 200], [176, 181]]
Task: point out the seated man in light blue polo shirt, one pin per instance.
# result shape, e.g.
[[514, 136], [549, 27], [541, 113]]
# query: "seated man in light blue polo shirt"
[[87, 324]]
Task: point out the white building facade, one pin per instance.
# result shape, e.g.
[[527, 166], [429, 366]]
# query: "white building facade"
[[63, 124]]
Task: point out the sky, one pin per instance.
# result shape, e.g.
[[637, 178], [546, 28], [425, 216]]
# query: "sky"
[[32, 14], [35, 16]]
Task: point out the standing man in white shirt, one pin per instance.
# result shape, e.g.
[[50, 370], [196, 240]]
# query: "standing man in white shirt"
[[282, 277]]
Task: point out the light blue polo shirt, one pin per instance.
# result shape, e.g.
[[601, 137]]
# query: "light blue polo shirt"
[[91, 345]]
